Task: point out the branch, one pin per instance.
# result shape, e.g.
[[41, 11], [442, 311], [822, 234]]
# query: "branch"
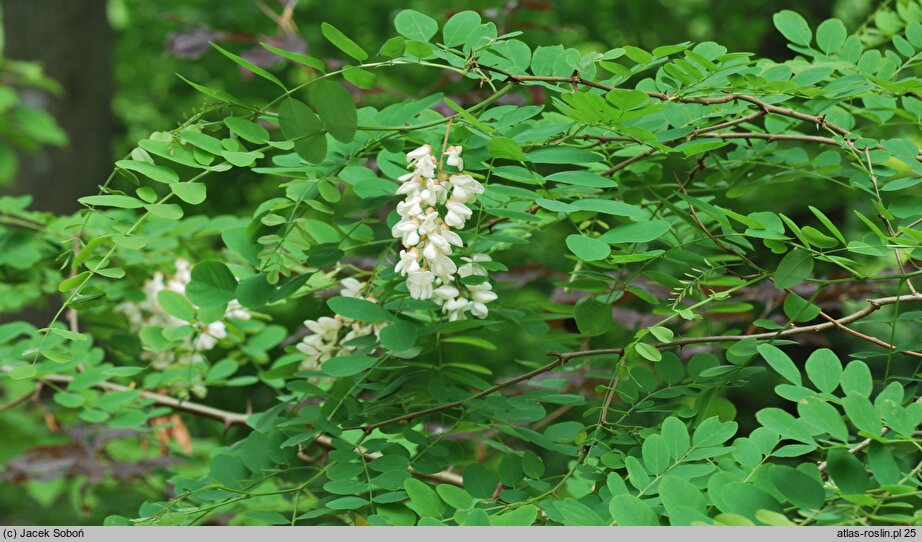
[[868, 338]]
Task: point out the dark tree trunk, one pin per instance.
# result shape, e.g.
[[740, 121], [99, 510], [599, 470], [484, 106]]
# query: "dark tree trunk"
[[72, 40]]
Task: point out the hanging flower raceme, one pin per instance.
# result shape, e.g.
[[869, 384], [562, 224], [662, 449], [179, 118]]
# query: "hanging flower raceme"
[[436, 203], [328, 335], [148, 312]]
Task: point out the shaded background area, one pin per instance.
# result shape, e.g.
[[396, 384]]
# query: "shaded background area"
[[116, 60]]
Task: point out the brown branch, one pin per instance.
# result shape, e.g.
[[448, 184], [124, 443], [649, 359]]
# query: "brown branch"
[[19, 400], [621, 165], [868, 338]]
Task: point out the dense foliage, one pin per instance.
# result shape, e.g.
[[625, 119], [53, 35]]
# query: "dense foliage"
[[582, 295]]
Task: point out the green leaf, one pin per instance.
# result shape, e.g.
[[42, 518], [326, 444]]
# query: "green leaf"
[[713, 432], [628, 510], [202, 141], [342, 366], [250, 66], [799, 309], [523, 516], [121, 202], [781, 363], [241, 159], [577, 514], [315, 63], [399, 336], [636, 232], [454, 496], [593, 317], [609, 207], [848, 473], [359, 309], [300, 125], [798, 488], [169, 211], [648, 351], [336, 109], [793, 27], [856, 379], [675, 491], [248, 130], [582, 178], [479, 482], [655, 454], [588, 249], [830, 35], [505, 147], [862, 414], [793, 268], [459, 27], [423, 499], [342, 42], [222, 370], [161, 174], [23, 372], [255, 292], [176, 304], [72, 282], [212, 284], [69, 400], [784, 424], [347, 503], [415, 26], [675, 435], [823, 417], [361, 78], [192, 193], [824, 369]]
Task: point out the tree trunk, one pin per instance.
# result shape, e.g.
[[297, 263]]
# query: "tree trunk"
[[72, 40]]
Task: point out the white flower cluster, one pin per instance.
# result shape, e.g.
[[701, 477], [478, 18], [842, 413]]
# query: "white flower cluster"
[[428, 237], [149, 313], [328, 333]]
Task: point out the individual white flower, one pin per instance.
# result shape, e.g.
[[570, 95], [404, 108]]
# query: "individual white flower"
[[420, 284], [425, 167], [409, 262], [410, 208], [481, 294], [445, 293], [324, 325], [457, 214], [419, 153], [443, 266], [464, 188], [455, 308], [408, 230], [454, 156], [351, 287]]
